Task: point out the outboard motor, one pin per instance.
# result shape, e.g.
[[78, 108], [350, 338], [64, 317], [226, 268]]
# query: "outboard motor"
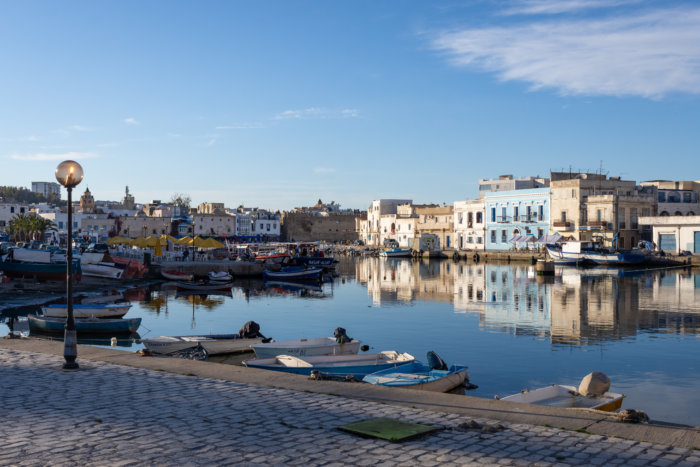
[[340, 336], [435, 362], [250, 330]]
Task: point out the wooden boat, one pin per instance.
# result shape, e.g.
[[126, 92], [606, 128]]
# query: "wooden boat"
[[204, 286], [40, 271], [221, 276], [294, 273], [558, 395], [84, 325], [132, 268], [356, 366], [306, 347], [214, 343], [417, 375], [114, 310], [104, 270], [173, 275]]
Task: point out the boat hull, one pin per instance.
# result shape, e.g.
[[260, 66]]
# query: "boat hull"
[[204, 287], [84, 325], [396, 253], [420, 377], [103, 270], [40, 271], [301, 275], [214, 344], [86, 311], [306, 348], [558, 395], [176, 276]]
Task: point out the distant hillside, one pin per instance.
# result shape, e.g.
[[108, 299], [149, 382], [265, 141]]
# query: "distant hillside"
[[12, 194]]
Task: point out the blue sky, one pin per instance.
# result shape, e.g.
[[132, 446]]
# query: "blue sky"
[[278, 103]]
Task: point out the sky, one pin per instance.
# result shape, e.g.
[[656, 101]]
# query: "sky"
[[275, 104]]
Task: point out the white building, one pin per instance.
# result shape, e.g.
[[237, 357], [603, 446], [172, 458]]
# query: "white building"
[[46, 188], [469, 226], [378, 208], [244, 224], [9, 211], [267, 225], [674, 234]]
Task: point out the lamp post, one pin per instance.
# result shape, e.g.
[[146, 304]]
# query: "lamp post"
[[69, 174]]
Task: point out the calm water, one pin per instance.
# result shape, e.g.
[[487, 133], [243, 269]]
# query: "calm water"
[[513, 329]]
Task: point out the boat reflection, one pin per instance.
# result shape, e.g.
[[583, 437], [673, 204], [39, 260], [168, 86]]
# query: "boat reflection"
[[576, 306]]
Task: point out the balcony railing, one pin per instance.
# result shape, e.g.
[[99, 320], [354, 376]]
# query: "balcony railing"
[[503, 219], [562, 225]]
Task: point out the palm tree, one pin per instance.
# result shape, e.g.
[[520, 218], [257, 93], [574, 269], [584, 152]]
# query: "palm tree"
[[24, 227]]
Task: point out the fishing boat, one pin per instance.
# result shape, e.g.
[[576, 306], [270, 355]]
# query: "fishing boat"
[[40, 271], [204, 286], [417, 375], [396, 253], [294, 273], [84, 325], [214, 344], [272, 258], [326, 262], [114, 310], [174, 275], [103, 270], [306, 347], [558, 395], [591, 253], [221, 276], [356, 366]]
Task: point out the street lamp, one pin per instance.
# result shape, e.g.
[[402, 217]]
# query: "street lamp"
[[69, 174]]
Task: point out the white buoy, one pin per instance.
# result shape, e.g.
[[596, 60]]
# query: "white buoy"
[[113, 341]]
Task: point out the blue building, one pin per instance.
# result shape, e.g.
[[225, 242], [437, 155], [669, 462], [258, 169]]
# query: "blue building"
[[510, 214]]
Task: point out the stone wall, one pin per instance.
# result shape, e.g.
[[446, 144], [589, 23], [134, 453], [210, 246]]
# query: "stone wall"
[[302, 227]]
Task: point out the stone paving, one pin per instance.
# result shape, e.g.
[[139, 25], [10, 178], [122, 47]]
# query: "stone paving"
[[106, 414]]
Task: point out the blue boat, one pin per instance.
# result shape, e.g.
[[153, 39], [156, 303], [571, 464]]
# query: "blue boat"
[[294, 273], [356, 366], [40, 271], [417, 375], [315, 261], [84, 325]]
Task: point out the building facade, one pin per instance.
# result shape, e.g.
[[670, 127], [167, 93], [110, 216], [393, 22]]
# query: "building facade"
[[144, 226], [469, 227], [47, 188], [8, 211], [509, 183], [676, 198], [212, 225], [437, 220], [674, 234], [516, 213], [378, 208]]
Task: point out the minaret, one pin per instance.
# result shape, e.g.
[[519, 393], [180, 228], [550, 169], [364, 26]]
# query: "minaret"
[[128, 201], [87, 202]]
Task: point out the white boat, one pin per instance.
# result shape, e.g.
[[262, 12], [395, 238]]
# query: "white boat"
[[306, 347], [114, 310], [214, 343], [419, 376], [221, 276], [106, 270], [396, 253], [558, 395], [174, 275], [356, 366]]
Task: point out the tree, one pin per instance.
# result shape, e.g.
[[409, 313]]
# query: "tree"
[[24, 227], [181, 200]]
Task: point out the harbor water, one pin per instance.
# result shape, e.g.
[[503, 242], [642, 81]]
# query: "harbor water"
[[513, 329]]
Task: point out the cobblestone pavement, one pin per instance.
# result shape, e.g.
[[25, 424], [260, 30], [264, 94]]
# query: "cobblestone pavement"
[[113, 415]]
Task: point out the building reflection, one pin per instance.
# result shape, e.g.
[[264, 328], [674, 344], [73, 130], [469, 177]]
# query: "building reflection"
[[576, 306]]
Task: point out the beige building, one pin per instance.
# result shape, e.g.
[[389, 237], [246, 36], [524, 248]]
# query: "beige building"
[[435, 219], [87, 202], [98, 226], [676, 198], [214, 225], [144, 226], [586, 207], [211, 208]]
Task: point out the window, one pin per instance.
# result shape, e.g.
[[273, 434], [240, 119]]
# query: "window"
[[479, 219], [493, 236], [515, 213], [621, 218], [563, 216], [573, 193], [459, 218], [633, 220], [493, 215], [504, 236], [529, 213], [503, 214], [687, 198], [470, 239], [470, 218], [479, 240], [540, 233], [598, 215], [12, 209], [662, 196], [540, 213]]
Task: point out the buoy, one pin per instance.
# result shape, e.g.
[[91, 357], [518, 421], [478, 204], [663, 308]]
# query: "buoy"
[[113, 341]]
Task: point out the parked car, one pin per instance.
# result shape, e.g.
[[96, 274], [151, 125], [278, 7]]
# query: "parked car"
[[97, 248]]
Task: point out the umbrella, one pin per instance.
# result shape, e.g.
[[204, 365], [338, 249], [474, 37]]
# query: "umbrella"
[[118, 241], [158, 251], [211, 243], [185, 241], [140, 242]]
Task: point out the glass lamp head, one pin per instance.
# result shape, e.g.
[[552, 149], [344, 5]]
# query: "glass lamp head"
[[69, 173]]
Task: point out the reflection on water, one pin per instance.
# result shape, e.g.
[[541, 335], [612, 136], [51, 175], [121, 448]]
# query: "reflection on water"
[[576, 306]]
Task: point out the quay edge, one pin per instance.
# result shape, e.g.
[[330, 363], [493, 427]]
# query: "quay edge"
[[570, 419]]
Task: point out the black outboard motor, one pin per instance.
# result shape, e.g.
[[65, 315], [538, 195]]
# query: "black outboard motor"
[[435, 362], [250, 330], [340, 336]]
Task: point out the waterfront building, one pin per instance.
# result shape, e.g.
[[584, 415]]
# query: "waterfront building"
[[676, 198], [378, 208], [214, 225], [510, 214], [97, 227], [47, 188], [59, 217], [211, 208], [267, 225], [8, 211], [591, 206], [674, 234], [469, 226], [437, 220], [144, 226], [244, 224], [87, 202], [508, 183]]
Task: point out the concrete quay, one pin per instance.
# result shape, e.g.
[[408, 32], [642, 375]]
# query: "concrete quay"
[[124, 409]]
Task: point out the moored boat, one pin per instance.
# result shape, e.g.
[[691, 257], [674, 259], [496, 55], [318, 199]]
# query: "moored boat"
[[204, 286], [558, 395], [356, 366], [417, 375], [221, 276], [40, 271], [84, 325], [294, 273], [174, 275], [115, 310], [104, 270], [396, 253], [306, 347], [590, 253], [214, 343]]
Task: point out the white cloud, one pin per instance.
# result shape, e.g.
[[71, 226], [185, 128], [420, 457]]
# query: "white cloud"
[[211, 142], [323, 170], [241, 126], [131, 121], [647, 54], [552, 7], [315, 112], [41, 156], [78, 128]]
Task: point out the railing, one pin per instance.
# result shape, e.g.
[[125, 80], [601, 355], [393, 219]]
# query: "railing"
[[562, 225], [503, 219]]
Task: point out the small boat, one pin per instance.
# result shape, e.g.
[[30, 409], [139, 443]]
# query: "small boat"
[[396, 253], [104, 270], [204, 286], [417, 375], [272, 258], [221, 276], [174, 275], [114, 310], [356, 366], [292, 273], [306, 347], [591, 253], [39, 270], [84, 325], [214, 343], [315, 261], [558, 395]]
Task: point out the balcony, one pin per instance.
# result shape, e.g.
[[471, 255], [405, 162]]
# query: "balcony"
[[563, 225], [598, 223], [503, 219], [530, 218]]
